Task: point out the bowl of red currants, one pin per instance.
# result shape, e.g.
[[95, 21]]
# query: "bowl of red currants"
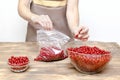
[[87, 57], [18, 63]]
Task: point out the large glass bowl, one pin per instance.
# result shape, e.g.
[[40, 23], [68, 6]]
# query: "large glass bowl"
[[87, 62]]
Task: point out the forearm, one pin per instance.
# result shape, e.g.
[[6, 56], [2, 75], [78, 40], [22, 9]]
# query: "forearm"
[[24, 10], [72, 14], [73, 19]]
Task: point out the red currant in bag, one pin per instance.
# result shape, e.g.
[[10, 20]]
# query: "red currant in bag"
[[50, 54], [51, 43]]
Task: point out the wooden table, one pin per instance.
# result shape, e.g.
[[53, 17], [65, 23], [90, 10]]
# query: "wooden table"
[[59, 70]]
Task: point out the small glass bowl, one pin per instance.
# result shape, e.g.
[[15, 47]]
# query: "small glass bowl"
[[18, 68], [87, 63]]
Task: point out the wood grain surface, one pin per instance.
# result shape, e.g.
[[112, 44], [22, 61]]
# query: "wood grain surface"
[[57, 70]]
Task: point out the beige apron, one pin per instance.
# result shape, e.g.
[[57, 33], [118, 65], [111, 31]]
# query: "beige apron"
[[56, 14]]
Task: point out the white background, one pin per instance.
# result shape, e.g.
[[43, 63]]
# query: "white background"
[[101, 16]]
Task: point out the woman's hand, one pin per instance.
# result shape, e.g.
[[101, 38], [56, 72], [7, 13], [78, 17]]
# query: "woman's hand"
[[81, 33], [37, 21], [42, 20]]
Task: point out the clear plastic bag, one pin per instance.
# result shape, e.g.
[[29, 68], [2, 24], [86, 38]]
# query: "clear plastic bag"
[[50, 43]]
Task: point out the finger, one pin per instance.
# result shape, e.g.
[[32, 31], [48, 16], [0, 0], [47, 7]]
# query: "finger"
[[82, 37], [76, 31], [43, 22], [40, 20], [86, 36], [46, 22], [40, 23], [85, 39], [84, 31], [80, 29], [78, 36], [49, 22]]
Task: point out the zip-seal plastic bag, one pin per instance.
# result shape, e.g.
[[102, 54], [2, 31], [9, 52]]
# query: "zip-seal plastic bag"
[[50, 43]]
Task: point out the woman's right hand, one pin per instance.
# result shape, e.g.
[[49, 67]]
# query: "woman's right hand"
[[43, 21]]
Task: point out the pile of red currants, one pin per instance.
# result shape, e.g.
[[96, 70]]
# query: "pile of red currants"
[[19, 63], [88, 59]]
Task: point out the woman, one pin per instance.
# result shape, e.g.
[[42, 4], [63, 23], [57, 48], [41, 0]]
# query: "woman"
[[61, 15]]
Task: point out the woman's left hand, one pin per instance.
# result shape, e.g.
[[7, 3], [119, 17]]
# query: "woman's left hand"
[[81, 33]]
